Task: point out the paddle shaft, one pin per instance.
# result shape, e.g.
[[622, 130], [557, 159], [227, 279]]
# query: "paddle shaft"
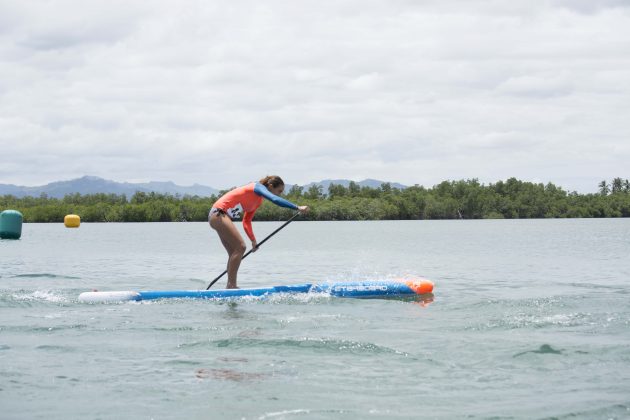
[[259, 245]]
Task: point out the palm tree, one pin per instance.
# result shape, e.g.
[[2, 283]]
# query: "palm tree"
[[604, 189], [617, 185]]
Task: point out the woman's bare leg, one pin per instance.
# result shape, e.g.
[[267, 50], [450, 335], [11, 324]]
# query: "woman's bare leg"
[[233, 243], [230, 265]]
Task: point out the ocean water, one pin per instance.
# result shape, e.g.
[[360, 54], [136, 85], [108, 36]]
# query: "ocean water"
[[530, 320]]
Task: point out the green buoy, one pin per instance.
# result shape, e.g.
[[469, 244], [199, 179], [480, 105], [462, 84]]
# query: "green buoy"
[[10, 224]]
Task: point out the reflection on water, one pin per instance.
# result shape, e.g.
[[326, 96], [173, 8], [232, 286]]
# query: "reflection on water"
[[232, 311]]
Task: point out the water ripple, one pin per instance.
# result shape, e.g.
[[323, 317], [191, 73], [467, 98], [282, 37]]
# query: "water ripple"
[[611, 412], [315, 344], [46, 275]]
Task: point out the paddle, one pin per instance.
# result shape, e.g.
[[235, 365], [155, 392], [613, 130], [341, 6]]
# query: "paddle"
[[251, 250]]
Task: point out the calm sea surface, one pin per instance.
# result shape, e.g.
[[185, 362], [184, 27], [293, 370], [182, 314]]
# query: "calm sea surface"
[[530, 320]]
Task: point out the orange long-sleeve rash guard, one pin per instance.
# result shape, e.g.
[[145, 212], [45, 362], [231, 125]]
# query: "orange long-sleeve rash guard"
[[246, 200]]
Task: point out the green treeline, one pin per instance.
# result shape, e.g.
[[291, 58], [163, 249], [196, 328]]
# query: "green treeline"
[[464, 199]]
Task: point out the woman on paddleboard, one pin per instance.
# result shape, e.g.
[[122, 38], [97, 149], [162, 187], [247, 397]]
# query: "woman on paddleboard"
[[246, 200]]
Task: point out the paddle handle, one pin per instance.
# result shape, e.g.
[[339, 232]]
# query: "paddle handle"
[[262, 242]]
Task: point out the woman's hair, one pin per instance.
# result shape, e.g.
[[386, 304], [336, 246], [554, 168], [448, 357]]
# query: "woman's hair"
[[272, 181]]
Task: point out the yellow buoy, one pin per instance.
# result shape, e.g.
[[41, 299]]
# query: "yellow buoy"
[[72, 221]]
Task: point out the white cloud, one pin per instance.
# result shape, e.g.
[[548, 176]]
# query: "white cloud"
[[364, 82], [539, 86], [220, 93]]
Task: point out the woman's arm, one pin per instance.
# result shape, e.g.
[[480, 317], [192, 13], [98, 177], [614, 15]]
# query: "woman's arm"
[[278, 201], [247, 226]]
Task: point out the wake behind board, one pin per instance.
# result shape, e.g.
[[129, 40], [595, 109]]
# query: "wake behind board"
[[360, 289]]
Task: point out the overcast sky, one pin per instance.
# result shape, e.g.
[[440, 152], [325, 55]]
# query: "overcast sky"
[[224, 92]]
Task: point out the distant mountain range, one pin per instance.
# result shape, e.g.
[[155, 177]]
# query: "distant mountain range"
[[94, 185]]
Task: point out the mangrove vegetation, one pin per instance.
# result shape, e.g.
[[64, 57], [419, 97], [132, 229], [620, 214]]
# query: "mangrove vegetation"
[[463, 199]]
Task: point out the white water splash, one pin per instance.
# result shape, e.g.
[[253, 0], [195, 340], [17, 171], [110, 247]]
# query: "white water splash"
[[40, 295], [284, 413]]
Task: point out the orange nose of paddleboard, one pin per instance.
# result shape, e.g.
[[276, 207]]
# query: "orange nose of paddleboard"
[[420, 286]]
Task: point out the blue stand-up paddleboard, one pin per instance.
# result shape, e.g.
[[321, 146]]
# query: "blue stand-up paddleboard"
[[355, 289]]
